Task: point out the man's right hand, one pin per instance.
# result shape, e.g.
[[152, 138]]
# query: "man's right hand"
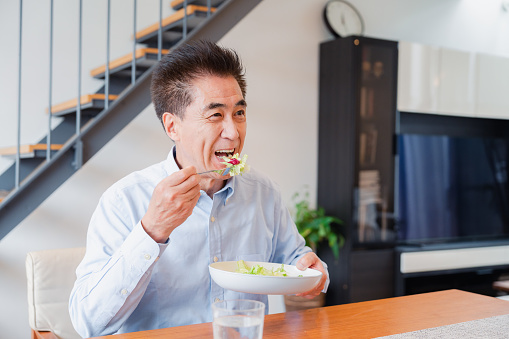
[[172, 203]]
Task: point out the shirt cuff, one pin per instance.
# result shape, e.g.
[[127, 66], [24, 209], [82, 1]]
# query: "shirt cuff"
[[140, 247]]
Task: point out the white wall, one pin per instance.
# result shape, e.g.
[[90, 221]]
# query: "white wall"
[[469, 25], [278, 42]]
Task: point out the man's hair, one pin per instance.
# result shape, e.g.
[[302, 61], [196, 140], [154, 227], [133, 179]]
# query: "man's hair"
[[171, 87]]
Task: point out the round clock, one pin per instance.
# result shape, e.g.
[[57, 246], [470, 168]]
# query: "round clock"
[[342, 19]]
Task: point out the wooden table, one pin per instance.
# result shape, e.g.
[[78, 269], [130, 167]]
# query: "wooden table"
[[359, 320]]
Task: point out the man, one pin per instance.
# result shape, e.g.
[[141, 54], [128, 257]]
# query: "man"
[[155, 232]]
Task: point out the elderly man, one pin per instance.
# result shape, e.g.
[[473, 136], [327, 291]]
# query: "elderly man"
[[155, 232]]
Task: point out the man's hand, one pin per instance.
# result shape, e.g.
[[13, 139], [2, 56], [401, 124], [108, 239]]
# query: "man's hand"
[[311, 260], [172, 203]]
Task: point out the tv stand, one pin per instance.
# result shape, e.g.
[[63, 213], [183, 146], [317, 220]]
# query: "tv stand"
[[468, 265]]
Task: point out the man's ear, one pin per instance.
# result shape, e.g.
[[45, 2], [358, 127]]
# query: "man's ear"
[[171, 125]]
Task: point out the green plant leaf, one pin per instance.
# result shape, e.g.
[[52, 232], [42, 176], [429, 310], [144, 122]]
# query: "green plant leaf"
[[315, 226]]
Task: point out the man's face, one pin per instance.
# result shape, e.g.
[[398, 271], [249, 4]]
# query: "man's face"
[[214, 124]]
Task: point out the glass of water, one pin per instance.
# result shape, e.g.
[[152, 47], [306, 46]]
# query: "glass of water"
[[238, 318]]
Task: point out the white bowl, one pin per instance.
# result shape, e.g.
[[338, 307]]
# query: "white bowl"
[[223, 273]]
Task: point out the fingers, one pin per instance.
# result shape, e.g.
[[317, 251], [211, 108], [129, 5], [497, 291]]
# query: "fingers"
[[184, 178], [183, 185], [172, 202], [306, 261], [311, 260]]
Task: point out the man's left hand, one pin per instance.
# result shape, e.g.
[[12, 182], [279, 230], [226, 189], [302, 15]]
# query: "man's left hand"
[[311, 260]]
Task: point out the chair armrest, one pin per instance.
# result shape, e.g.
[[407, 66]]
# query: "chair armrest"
[[501, 285], [43, 335]]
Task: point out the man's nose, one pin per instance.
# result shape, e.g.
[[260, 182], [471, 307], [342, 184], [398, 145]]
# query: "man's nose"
[[230, 130]]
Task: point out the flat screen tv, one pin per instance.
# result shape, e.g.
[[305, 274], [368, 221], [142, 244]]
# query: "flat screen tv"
[[452, 188]]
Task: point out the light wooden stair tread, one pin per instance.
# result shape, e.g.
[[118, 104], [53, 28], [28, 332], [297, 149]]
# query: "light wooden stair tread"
[[191, 9], [178, 4], [3, 194], [24, 149], [85, 99], [128, 58]]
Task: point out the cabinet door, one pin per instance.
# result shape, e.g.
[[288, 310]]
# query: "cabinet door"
[[436, 80], [418, 78], [374, 190], [456, 83], [493, 90], [371, 266]]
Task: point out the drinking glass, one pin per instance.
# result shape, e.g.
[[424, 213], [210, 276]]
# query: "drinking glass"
[[238, 318]]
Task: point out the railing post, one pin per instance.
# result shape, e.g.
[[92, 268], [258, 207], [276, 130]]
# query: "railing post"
[[184, 26], [78, 154], [133, 62], [107, 74], [50, 85], [160, 31], [18, 141]]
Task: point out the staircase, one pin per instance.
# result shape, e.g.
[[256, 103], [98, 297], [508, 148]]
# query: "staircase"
[[93, 120]]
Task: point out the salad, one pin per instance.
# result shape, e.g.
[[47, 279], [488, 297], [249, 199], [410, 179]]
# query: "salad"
[[242, 267], [236, 164]]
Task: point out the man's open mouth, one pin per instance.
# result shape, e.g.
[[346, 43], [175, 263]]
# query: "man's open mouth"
[[225, 153]]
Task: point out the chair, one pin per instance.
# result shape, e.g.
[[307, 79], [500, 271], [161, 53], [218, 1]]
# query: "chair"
[[503, 287], [50, 278]]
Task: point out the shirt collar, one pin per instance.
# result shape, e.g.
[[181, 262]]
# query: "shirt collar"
[[171, 164], [229, 188]]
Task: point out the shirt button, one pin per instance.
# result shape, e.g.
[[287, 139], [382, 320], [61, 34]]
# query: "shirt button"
[[212, 219], [216, 259], [216, 300], [147, 256], [124, 291]]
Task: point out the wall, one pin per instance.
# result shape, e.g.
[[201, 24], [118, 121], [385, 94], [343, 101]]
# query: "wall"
[[469, 25], [279, 45]]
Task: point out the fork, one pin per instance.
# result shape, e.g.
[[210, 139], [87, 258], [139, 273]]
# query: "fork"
[[224, 171]]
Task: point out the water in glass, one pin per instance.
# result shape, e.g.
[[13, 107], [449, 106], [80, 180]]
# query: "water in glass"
[[238, 327]]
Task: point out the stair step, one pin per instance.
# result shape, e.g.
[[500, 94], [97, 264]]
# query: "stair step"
[[89, 102], [145, 58], [3, 194], [178, 4], [172, 26], [29, 151]]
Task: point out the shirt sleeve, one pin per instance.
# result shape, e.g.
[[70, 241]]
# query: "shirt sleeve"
[[115, 271], [290, 245]]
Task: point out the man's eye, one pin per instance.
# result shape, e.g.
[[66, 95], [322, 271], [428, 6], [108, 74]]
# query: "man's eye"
[[216, 115], [240, 113]]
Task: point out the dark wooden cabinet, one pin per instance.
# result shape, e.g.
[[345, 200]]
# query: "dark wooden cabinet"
[[357, 123]]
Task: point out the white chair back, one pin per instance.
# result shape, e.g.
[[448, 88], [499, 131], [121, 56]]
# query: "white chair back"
[[50, 278]]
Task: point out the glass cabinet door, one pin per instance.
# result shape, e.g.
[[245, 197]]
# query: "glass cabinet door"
[[374, 189]]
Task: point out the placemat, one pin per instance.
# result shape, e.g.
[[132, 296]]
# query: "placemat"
[[494, 327]]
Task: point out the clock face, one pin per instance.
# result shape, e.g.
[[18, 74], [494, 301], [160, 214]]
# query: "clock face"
[[343, 19]]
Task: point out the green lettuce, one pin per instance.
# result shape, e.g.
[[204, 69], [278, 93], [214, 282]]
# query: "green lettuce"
[[242, 267]]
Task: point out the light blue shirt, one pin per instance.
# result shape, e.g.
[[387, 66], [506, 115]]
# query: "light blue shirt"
[[127, 282]]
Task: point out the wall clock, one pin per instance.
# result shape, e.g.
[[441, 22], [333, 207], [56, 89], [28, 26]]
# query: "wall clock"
[[343, 19]]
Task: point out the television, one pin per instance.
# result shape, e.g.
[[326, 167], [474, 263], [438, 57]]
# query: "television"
[[451, 188]]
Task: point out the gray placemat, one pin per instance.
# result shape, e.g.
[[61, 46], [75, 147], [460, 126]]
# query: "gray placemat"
[[494, 327]]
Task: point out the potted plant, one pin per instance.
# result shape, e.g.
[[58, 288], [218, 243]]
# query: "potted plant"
[[318, 229]]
